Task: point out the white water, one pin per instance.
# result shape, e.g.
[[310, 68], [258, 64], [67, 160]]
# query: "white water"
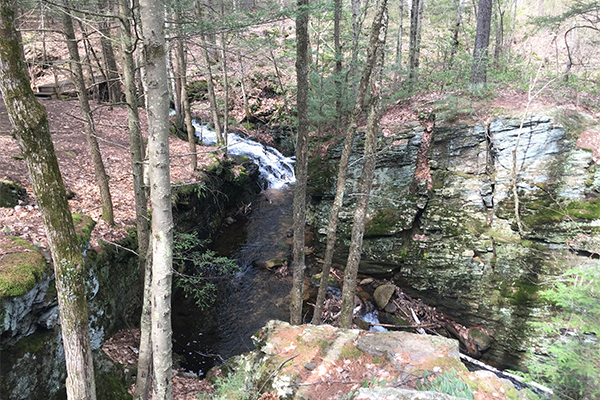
[[276, 169]]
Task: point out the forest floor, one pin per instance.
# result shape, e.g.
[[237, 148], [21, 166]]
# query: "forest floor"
[[111, 124]]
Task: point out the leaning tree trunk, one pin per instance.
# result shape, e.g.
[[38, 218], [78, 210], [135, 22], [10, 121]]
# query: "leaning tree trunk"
[[482, 40], [88, 122], [160, 194], [299, 206], [142, 385], [343, 166], [365, 182], [30, 127]]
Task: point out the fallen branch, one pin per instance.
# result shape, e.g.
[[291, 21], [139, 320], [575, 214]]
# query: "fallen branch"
[[277, 371], [507, 375]]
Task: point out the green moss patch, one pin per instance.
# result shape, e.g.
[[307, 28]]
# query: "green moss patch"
[[21, 267], [383, 222], [84, 226]]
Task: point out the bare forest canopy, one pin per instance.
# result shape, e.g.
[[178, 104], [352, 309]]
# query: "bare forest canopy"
[[251, 45]]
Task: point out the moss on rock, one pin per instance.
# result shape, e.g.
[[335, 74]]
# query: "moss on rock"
[[11, 193], [20, 268]]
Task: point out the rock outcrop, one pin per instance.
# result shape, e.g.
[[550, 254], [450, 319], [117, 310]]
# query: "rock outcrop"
[[452, 238], [323, 362]]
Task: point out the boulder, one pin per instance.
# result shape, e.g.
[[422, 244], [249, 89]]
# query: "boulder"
[[383, 294], [322, 362]]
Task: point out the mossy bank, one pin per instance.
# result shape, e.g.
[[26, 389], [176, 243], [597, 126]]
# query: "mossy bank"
[[32, 358]]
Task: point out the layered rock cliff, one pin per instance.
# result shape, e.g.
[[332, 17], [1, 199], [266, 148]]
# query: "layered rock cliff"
[[445, 227]]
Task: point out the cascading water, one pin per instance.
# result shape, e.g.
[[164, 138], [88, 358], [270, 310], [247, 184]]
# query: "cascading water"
[[254, 296], [276, 170]]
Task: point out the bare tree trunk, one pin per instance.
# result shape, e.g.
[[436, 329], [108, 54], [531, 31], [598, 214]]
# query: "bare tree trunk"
[[151, 12], [339, 101], [343, 166], [214, 107], [365, 182], [299, 206], [482, 40], [182, 87], [455, 30], [414, 49], [247, 112], [86, 114], [355, 37], [499, 47], [110, 65], [512, 32], [142, 385], [399, 43], [225, 86], [30, 126]]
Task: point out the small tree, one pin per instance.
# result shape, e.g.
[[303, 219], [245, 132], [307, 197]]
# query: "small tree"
[[299, 206], [366, 177]]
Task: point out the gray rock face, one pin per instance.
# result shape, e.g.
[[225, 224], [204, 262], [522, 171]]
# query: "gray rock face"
[[456, 244]]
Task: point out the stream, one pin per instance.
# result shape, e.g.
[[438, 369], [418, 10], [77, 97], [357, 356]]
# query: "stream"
[[254, 295]]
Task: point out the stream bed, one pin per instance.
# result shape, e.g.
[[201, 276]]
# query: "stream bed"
[[246, 302]]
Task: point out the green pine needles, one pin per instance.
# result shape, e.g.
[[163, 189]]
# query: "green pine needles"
[[571, 362], [197, 269]]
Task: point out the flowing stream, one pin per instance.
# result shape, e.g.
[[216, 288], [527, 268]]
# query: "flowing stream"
[[254, 295]]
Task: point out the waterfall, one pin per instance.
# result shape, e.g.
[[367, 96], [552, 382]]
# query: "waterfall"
[[276, 170]]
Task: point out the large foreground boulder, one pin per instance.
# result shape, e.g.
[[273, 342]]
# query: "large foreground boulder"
[[324, 362]]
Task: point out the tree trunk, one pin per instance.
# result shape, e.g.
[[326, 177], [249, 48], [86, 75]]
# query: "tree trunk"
[[355, 37], [212, 98], [142, 385], [343, 166], [299, 206], [182, 87], [225, 86], [160, 194], [414, 49], [88, 122], [247, 113], [399, 43], [499, 47], [365, 182], [339, 101], [455, 29], [30, 127], [110, 65], [482, 40]]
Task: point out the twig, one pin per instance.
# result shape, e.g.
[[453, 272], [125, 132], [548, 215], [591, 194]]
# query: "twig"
[[277, 371], [118, 245]]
